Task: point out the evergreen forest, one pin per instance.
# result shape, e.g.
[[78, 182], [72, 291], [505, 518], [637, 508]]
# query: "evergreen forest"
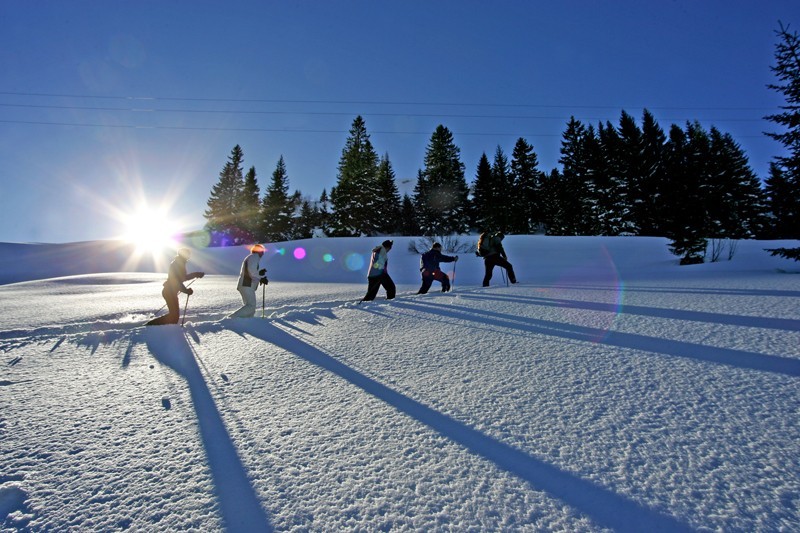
[[690, 184]]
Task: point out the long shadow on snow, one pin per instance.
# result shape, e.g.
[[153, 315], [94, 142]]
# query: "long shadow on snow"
[[601, 505], [689, 350], [708, 291], [239, 505], [679, 314]]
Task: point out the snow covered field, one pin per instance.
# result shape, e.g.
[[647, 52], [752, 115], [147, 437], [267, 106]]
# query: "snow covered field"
[[609, 390]]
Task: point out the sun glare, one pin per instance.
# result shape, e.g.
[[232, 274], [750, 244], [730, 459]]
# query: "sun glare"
[[150, 231]]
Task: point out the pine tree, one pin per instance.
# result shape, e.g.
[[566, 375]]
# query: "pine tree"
[[610, 206], [684, 199], [441, 193], [277, 207], [649, 211], [306, 221], [526, 187], [222, 215], [389, 198], [576, 177], [782, 206], [783, 183], [324, 213], [735, 201], [633, 190], [555, 198], [409, 225], [250, 206], [355, 199], [483, 197], [501, 181]]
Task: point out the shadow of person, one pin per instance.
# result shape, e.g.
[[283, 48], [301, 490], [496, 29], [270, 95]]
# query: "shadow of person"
[[239, 505]]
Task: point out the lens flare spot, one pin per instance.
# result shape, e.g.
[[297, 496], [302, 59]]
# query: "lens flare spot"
[[299, 253], [354, 262], [327, 258], [280, 251]]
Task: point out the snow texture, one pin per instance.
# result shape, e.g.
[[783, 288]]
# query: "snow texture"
[[610, 390]]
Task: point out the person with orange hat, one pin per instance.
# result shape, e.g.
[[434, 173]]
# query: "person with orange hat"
[[174, 285], [250, 277]]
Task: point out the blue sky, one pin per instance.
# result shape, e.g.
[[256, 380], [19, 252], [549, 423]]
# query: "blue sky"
[[106, 107]]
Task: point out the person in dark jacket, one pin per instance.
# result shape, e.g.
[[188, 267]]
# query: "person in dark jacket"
[[378, 275], [495, 255], [174, 285], [429, 268]]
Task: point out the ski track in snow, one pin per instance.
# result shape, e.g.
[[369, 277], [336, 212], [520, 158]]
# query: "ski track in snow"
[[659, 404]]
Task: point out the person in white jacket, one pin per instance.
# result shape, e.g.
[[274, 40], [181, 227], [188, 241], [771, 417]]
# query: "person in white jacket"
[[378, 275], [250, 277]]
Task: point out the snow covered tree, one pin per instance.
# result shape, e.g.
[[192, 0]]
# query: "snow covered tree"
[[685, 223], [607, 189], [575, 199], [501, 181], [389, 197], [735, 201], [355, 199], [250, 206], [277, 207], [324, 213], [408, 217], [224, 205], [483, 196], [783, 183], [441, 194], [526, 189], [648, 203]]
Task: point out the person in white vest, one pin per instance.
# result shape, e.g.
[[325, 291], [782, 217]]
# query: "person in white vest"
[[250, 277], [378, 275]]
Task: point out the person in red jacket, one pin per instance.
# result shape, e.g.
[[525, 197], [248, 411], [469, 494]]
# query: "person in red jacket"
[[174, 285]]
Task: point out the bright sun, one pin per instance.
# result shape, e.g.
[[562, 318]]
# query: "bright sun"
[[150, 230]]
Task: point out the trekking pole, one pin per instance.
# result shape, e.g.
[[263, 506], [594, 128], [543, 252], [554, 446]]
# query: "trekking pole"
[[503, 273], [184, 310], [452, 285], [263, 298], [163, 306]]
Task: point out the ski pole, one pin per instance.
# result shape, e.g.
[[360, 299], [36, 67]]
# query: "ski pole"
[[263, 298], [503, 273], [163, 306], [452, 285], [184, 310]]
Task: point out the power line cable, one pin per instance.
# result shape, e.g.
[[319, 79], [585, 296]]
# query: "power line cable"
[[377, 102]]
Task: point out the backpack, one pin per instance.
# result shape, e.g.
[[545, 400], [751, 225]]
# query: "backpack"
[[483, 245]]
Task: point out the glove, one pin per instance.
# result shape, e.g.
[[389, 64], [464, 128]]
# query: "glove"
[[262, 272], [264, 281], [189, 291]]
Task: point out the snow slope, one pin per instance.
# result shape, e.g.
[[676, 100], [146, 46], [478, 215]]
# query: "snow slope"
[[609, 390]]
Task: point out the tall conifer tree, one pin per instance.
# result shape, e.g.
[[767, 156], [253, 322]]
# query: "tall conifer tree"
[[277, 208], [783, 183], [222, 215], [441, 193], [526, 187], [355, 199], [250, 206]]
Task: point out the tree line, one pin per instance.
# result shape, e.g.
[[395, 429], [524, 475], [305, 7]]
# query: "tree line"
[[688, 183]]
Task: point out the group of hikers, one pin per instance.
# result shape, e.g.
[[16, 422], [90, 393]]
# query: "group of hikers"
[[490, 248]]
